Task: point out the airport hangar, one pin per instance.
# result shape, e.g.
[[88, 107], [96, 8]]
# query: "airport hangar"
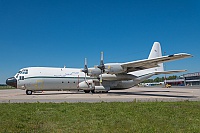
[[190, 79]]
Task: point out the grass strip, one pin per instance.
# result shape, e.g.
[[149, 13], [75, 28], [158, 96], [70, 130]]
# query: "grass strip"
[[6, 87], [101, 117]]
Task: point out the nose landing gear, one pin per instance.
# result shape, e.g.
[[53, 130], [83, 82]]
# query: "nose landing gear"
[[29, 92]]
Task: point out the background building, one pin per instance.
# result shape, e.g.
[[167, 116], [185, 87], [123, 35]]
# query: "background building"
[[192, 78], [176, 82], [189, 79]]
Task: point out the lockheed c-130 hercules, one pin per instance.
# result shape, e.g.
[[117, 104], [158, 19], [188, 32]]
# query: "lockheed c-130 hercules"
[[103, 77]]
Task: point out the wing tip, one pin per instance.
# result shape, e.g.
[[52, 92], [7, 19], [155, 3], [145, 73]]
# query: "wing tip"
[[186, 54]]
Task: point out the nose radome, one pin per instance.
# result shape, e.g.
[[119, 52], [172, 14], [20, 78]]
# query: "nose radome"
[[12, 82]]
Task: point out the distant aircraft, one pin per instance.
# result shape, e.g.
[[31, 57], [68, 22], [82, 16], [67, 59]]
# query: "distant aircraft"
[[103, 77]]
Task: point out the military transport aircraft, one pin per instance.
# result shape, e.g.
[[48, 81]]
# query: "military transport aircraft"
[[103, 77]]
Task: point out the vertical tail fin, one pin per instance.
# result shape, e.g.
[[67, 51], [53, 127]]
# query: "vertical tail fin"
[[156, 52]]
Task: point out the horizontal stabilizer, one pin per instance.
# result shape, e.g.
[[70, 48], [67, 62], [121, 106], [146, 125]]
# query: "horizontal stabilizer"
[[170, 72]]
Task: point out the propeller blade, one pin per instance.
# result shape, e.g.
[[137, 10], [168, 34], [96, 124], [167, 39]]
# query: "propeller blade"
[[85, 70], [85, 78], [102, 56], [101, 79], [85, 67], [85, 61], [101, 62], [101, 66]]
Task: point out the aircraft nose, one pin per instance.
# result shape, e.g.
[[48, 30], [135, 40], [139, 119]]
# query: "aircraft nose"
[[12, 82]]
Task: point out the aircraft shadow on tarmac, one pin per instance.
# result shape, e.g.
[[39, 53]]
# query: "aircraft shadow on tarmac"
[[149, 93], [163, 91], [138, 93], [65, 93]]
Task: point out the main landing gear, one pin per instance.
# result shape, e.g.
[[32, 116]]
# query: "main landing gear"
[[88, 91], [29, 92]]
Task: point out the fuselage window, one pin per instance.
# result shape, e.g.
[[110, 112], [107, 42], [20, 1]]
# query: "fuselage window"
[[21, 77]]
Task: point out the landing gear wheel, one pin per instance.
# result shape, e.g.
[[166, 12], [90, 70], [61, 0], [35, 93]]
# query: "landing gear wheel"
[[28, 92], [92, 91], [87, 91]]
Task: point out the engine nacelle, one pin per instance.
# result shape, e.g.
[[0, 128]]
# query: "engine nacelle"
[[87, 86], [90, 85], [114, 68], [94, 72]]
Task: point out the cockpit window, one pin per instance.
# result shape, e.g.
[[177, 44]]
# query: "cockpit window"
[[24, 71], [17, 75], [20, 72]]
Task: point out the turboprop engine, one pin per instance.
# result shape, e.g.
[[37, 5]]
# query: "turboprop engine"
[[114, 68], [89, 85], [86, 85], [97, 71], [109, 69], [94, 72]]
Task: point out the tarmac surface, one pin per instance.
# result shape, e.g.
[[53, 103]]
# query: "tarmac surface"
[[138, 94]]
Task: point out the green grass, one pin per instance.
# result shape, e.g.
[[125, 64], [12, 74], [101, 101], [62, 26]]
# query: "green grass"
[[6, 87], [115, 117]]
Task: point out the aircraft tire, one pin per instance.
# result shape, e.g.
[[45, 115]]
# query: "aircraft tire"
[[87, 91], [29, 92], [92, 91]]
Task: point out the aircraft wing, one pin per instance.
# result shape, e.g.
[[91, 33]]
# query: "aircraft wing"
[[153, 62]]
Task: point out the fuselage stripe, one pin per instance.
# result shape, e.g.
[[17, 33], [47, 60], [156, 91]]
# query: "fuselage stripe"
[[59, 77]]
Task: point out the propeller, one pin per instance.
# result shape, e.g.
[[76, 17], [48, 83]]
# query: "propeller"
[[85, 70], [101, 67]]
